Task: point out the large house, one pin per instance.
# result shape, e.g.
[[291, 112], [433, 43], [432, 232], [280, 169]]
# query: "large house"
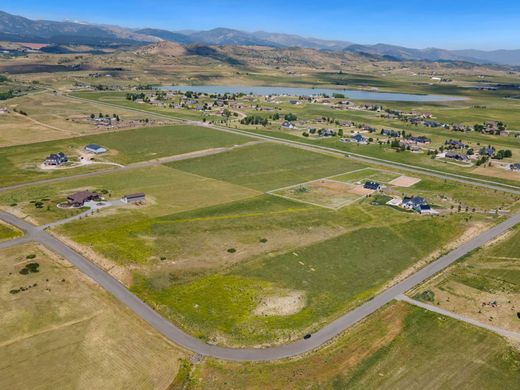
[[56, 159], [417, 204], [359, 139], [456, 156], [78, 199], [93, 148]]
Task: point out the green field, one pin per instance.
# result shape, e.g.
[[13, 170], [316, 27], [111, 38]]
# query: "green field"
[[266, 167], [8, 232], [20, 163], [399, 347], [168, 191], [333, 274]]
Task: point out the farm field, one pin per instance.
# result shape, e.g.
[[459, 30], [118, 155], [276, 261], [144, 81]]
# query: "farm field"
[[485, 286], [400, 346], [267, 166], [60, 330], [21, 163]]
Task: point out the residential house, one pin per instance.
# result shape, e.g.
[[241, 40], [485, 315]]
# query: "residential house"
[[391, 133], [326, 133], [372, 185], [287, 125], [359, 139], [78, 199], [56, 159], [515, 167], [456, 156], [454, 144]]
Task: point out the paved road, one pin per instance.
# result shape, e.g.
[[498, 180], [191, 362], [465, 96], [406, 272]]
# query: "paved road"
[[325, 334], [447, 313]]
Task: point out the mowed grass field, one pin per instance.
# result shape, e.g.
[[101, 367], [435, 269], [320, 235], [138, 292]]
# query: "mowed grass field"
[[20, 163], [399, 347], [62, 331], [492, 274], [266, 167]]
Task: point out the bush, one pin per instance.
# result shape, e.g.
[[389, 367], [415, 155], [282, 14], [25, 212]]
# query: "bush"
[[31, 256], [263, 240], [231, 250], [426, 296]]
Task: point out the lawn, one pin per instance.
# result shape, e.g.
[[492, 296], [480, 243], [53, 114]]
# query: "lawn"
[[62, 331], [266, 167], [398, 347], [334, 275]]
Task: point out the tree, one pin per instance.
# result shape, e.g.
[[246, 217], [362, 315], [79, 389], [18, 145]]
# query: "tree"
[[290, 117], [92, 116], [340, 132], [276, 116]]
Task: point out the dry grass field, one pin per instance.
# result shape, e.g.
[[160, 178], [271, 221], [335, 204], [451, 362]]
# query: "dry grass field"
[[52, 116], [61, 331]]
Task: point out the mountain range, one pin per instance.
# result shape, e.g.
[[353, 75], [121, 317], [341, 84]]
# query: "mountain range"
[[19, 29]]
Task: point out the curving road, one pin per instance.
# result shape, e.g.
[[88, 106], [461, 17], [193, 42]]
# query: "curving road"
[[183, 339]]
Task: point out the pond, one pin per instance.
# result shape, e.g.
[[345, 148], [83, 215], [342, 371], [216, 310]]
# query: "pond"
[[293, 91]]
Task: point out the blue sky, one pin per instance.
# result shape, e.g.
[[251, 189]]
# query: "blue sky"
[[454, 24]]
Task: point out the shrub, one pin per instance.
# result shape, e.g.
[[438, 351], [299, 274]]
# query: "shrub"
[[231, 250]]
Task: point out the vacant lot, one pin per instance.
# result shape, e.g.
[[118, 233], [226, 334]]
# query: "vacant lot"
[[266, 167], [485, 286], [334, 274], [399, 347], [21, 163], [324, 192], [60, 331]]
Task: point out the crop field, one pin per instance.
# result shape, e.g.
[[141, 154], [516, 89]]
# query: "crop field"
[[61, 331], [400, 346], [168, 190], [21, 163], [485, 286], [267, 167], [327, 277]]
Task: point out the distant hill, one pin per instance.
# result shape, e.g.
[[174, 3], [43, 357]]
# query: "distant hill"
[[19, 29]]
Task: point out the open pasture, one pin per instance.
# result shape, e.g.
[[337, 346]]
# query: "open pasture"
[[436, 351], [22, 163], [331, 276], [268, 166], [53, 116], [59, 330]]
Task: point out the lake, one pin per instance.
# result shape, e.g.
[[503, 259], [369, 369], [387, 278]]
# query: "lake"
[[292, 91]]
